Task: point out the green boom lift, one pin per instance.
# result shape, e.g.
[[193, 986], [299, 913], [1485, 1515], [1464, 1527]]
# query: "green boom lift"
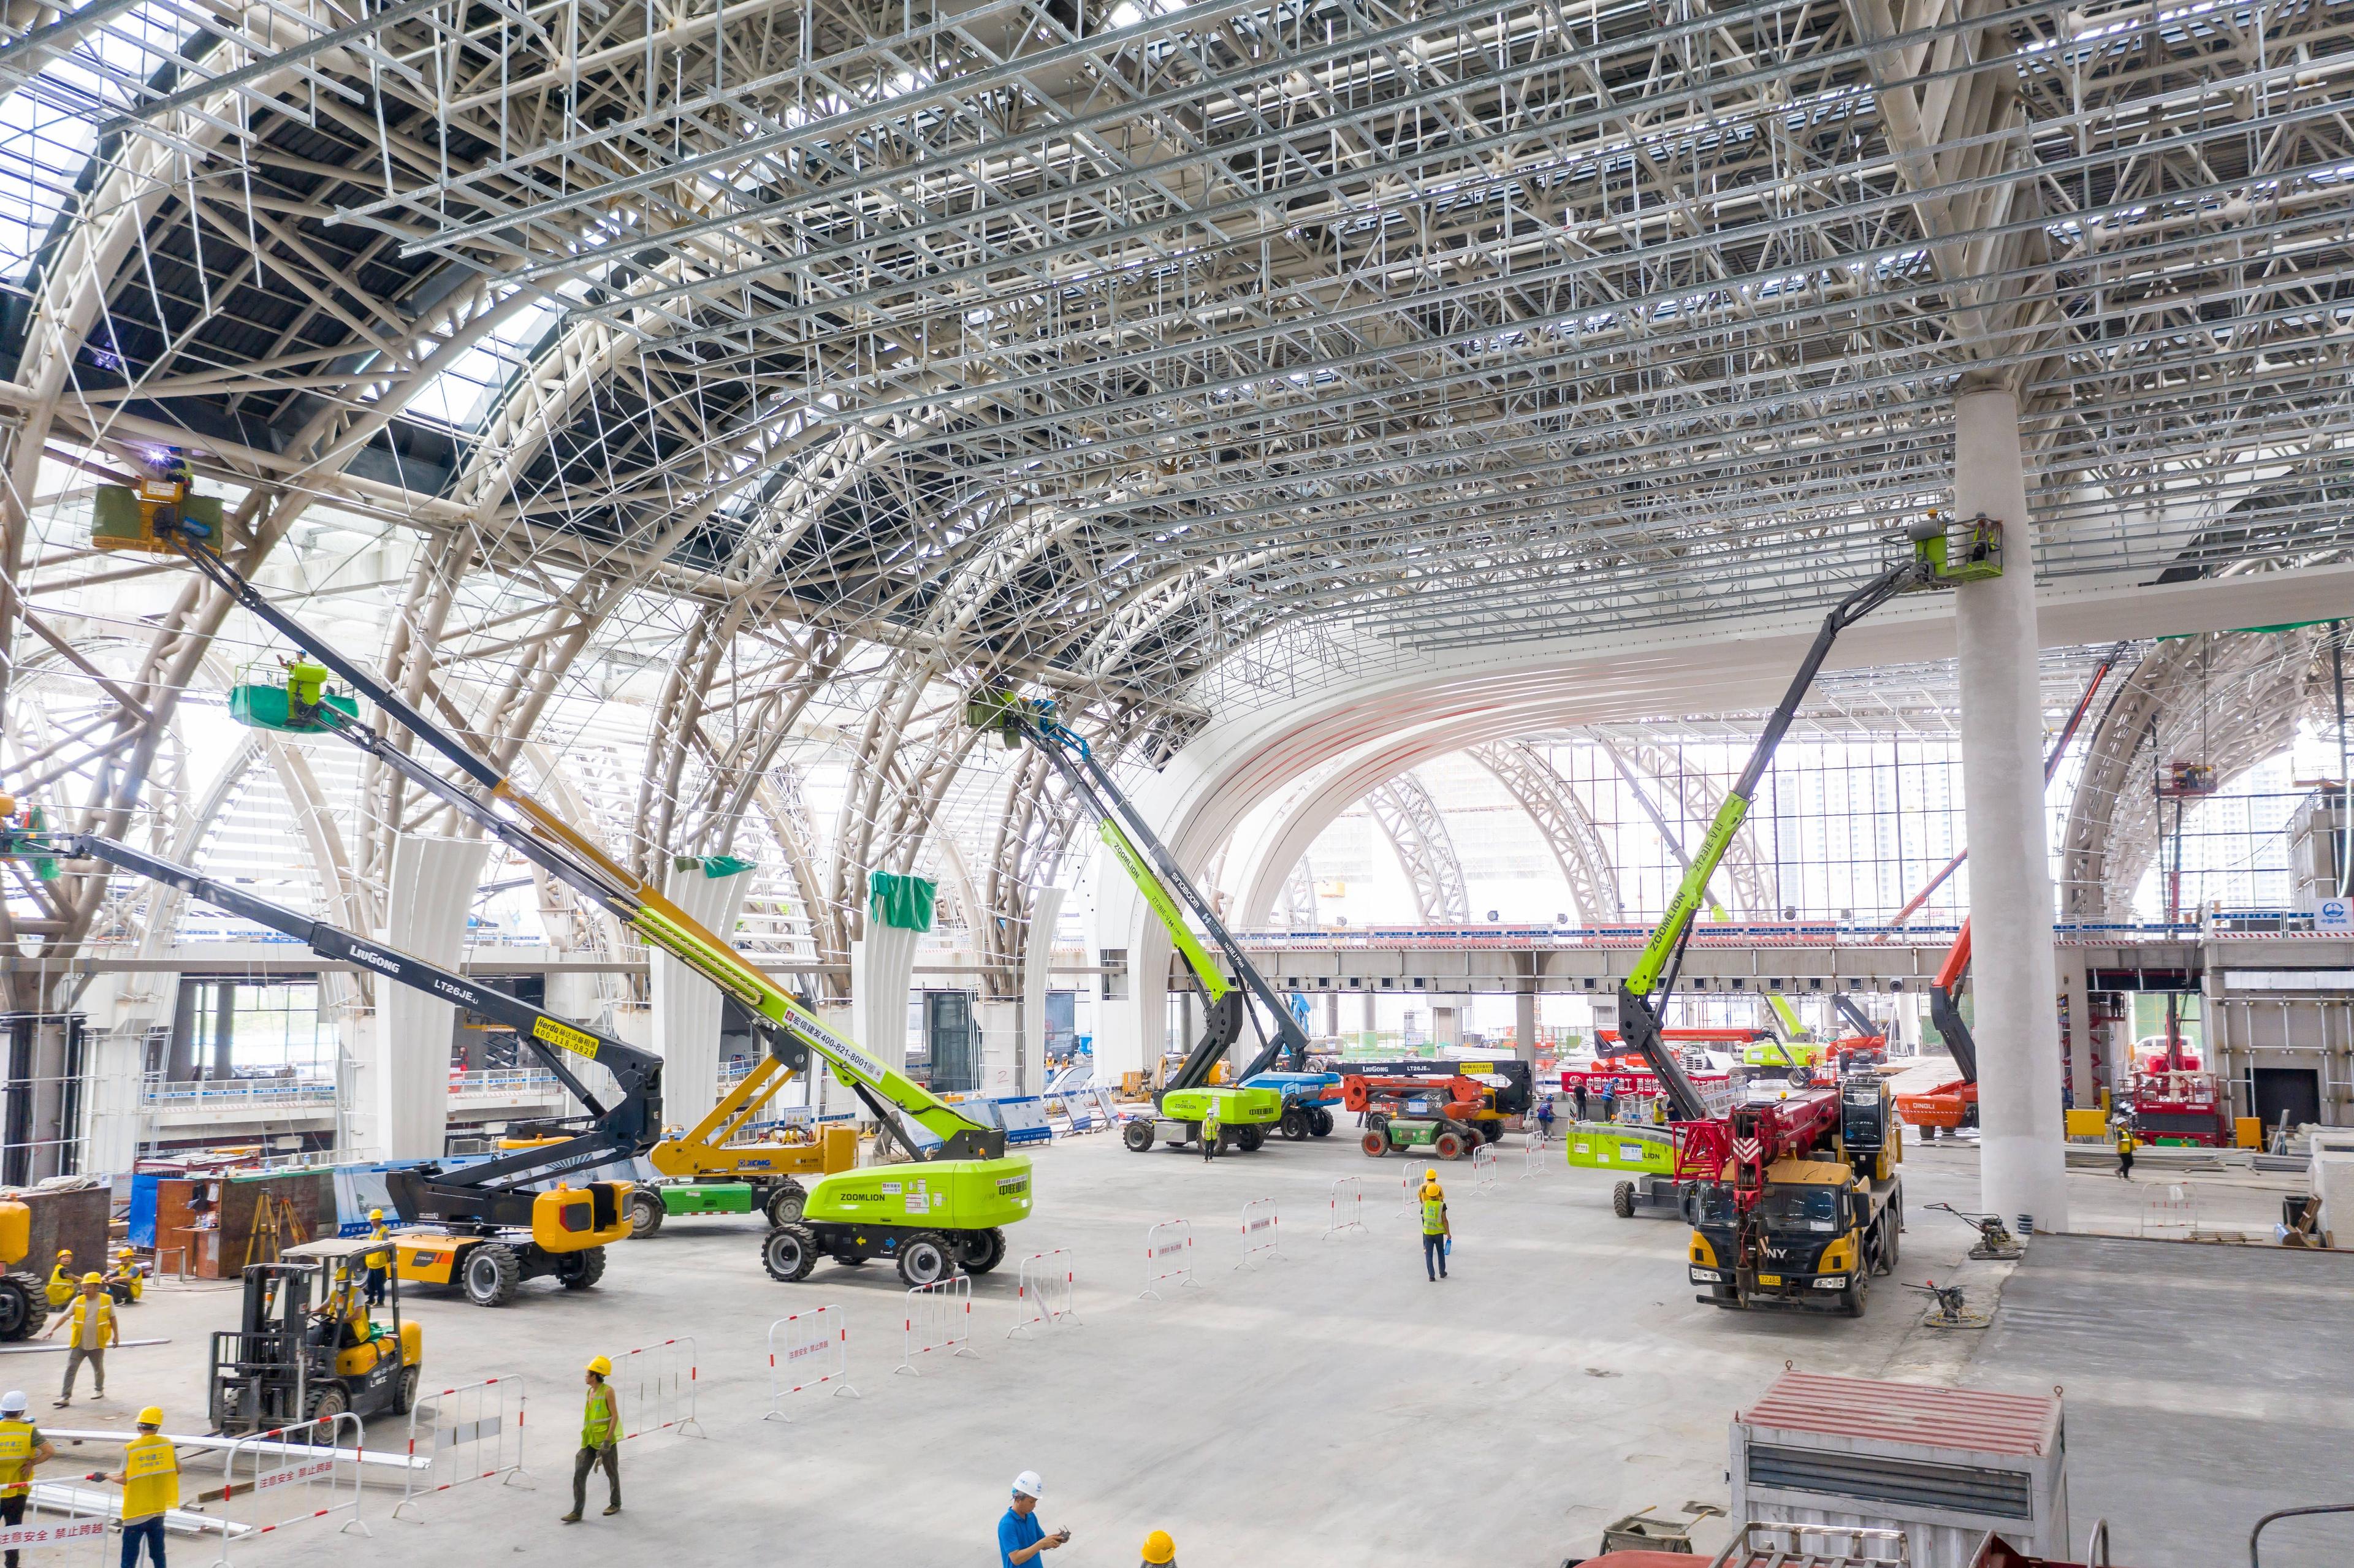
[[943, 1212]]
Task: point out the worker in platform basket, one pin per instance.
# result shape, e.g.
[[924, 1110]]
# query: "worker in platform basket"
[[1435, 1230], [601, 1441]]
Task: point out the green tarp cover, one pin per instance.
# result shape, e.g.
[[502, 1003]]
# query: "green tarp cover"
[[719, 865], [904, 902]]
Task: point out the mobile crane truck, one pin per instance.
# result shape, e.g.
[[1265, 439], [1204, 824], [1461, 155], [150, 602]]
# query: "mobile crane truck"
[[1719, 1160], [944, 1211], [1264, 1101]]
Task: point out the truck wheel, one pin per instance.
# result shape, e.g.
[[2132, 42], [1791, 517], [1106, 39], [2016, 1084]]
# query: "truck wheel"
[[1622, 1199], [1295, 1124], [19, 1314], [980, 1251], [925, 1259], [1138, 1135], [1491, 1131], [581, 1270], [647, 1212], [787, 1203], [1320, 1122], [1852, 1299], [325, 1400], [1448, 1145], [492, 1274], [789, 1254], [1249, 1139], [404, 1398], [1375, 1143]]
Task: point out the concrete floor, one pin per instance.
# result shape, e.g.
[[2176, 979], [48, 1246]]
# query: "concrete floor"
[[1330, 1407]]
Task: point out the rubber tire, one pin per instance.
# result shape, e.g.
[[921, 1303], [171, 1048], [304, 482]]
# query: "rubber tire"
[[980, 1251], [1800, 1077], [789, 1253], [1448, 1145], [1320, 1122], [1490, 1132], [1375, 1144], [24, 1299], [1138, 1135], [787, 1203], [404, 1390], [924, 1258], [1293, 1125], [492, 1274], [647, 1212], [1622, 1199], [1858, 1291], [581, 1270], [1249, 1140], [329, 1401]]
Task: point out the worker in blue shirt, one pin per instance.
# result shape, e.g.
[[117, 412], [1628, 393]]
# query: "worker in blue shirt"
[[1020, 1536]]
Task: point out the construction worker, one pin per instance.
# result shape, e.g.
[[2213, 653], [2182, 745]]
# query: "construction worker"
[[128, 1281], [1160, 1550], [94, 1328], [2125, 1151], [1610, 1102], [1210, 1131], [62, 1283], [378, 1263], [149, 1479], [1658, 1110], [1435, 1230], [22, 1447], [600, 1438], [1577, 1097], [1020, 1536], [1545, 1116]]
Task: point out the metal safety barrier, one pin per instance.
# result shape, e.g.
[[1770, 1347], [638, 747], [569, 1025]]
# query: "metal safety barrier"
[[814, 1350], [2169, 1218], [654, 1386], [1045, 1278], [292, 1475], [1168, 1255], [1410, 1193], [66, 1527], [1346, 1209], [1261, 1239], [938, 1318], [1483, 1168], [1533, 1154], [471, 1433]]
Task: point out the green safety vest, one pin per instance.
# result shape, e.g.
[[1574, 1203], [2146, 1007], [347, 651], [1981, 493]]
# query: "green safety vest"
[[1434, 1214], [597, 1418]]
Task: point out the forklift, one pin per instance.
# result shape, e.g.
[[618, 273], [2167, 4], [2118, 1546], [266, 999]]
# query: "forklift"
[[307, 1347]]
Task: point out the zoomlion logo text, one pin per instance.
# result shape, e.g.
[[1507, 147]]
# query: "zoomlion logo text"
[[578, 1042], [375, 960]]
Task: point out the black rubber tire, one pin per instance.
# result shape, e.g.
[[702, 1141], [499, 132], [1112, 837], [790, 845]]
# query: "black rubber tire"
[[1375, 1143], [788, 1200], [492, 1274], [1374, 1121], [980, 1251], [1320, 1122], [1293, 1125], [1138, 1135], [1800, 1077], [647, 1212], [1490, 1132], [1249, 1139], [327, 1400], [789, 1253], [581, 1270], [1449, 1145], [23, 1297], [1622, 1199], [404, 1395], [1858, 1291], [924, 1258]]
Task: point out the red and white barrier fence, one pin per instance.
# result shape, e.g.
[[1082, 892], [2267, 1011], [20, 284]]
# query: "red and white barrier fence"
[[76, 1534], [807, 1350], [1533, 1153], [471, 1433], [1168, 1255], [938, 1318], [1262, 1236], [1410, 1193], [1483, 1168], [1346, 1209], [654, 1387], [1045, 1292], [292, 1475]]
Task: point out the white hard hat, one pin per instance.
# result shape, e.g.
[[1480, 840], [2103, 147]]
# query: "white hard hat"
[[12, 1403], [1028, 1485]]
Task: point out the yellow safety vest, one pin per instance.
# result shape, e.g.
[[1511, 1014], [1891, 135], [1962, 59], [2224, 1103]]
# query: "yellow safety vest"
[[60, 1287], [378, 1259], [152, 1472], [89, 1331], [16, 1442], [597, 1418], [1434, 1212], [2125, 1143]]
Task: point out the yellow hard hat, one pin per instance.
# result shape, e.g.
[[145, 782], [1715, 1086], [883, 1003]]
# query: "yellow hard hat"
[[93, 1279], [1159, 1548], [151, 1416], [64, 1253], [376, 1213], [122, 1252], [1430, 1173], [600, 1366]]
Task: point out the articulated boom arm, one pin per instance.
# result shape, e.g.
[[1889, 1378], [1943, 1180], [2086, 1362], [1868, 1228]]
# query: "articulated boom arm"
[[1161, 882]]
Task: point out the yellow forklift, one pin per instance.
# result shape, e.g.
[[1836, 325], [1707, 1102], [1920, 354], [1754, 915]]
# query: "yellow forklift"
[[307, 1345]]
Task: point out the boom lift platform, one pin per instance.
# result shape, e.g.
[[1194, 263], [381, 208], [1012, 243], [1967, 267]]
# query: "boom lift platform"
[[1263, 1102], [944, 1211]]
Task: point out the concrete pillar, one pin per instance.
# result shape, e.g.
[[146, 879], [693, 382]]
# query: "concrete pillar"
[[1906, 1040], [1365, 1017], [2077, 1006], [180, 1060], [2022, 1163], [224, 1065], [1037, 978], [685, 1007], [406, 1079], [1332, 1014], [125, 1011], [1524, 1025], [882, 971]]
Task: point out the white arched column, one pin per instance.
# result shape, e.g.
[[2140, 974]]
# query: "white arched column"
[[1037, 962], [687, 1008], [405, 1070], [882, 971]]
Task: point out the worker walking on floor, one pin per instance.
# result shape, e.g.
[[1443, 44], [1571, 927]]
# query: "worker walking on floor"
[[92, 1314], [1020, 1537], [1211, 1131], [600, 1437], [149, 1479], [1435, 1230], [22, 1447], [378, 1263], [1160, 1550], [2124, 1154]]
